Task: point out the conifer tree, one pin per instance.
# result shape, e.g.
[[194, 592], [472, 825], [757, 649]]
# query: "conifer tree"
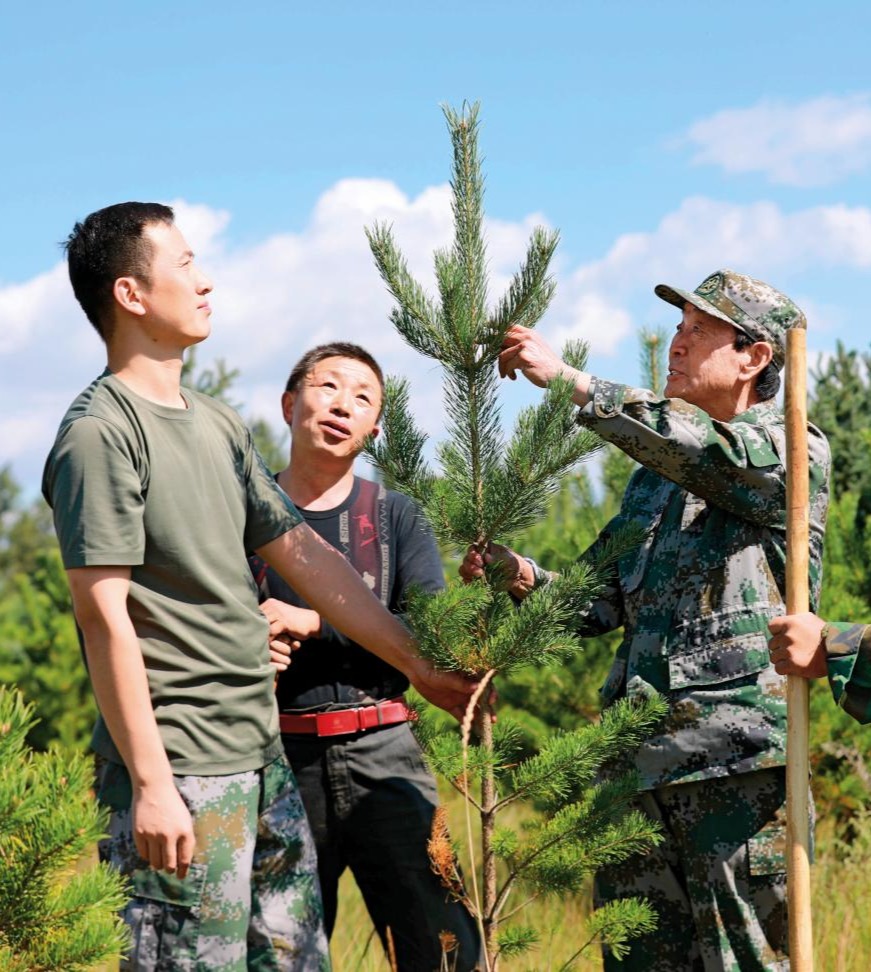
[[489, 489], [54, 913]]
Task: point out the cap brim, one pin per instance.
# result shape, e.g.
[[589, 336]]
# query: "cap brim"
[[673, 295]]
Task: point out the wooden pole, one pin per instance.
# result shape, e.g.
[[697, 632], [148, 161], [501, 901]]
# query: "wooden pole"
[[797, 600]]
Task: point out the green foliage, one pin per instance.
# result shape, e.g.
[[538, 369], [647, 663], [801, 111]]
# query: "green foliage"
[[271, 446], [569, 762], [39, 649], [566, 696], [515, 940], [618, 922], [25, 532], [653, 363], [841, 407], [840, 749], [486, 490], [215, 381], [53, 913], [39, 652]]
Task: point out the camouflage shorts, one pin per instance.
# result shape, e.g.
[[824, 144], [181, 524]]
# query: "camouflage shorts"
[[717, 881], [251, 900]]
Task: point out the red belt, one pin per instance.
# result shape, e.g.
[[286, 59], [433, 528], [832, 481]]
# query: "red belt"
[[343, 722]]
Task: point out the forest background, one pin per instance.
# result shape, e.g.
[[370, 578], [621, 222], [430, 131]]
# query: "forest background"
[[39, 652]]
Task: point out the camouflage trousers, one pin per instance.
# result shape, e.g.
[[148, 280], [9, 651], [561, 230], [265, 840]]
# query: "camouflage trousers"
[[251, 899], [717, 881]]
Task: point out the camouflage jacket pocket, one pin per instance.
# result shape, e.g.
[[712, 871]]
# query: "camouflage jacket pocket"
[[717, 648], [164, 914], [766, 852]]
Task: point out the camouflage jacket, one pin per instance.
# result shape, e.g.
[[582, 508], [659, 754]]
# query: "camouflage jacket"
[[695, 596], [848, 649]]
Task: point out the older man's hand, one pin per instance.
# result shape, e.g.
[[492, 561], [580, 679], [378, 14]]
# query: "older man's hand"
[[519, 578], [527, 351], [796, 646]]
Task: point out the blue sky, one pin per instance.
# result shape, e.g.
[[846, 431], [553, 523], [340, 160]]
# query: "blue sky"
[[663, 139]]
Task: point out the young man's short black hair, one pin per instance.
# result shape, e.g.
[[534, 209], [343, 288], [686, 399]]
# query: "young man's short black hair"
[[335, 349], [107, 245]]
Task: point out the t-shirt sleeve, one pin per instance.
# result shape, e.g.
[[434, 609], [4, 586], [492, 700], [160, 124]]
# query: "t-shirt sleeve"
[[95, 489], [270, 511]]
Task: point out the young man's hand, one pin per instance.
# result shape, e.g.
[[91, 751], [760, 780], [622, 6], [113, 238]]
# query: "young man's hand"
[[450, 691], [163, 830]]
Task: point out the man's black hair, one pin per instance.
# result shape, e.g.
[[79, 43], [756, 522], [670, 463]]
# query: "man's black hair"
[[335, 349], [768, 380], [107, 245]]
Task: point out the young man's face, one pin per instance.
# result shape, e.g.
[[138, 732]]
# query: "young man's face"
[[335, 407], [178, 310], [704, 368]]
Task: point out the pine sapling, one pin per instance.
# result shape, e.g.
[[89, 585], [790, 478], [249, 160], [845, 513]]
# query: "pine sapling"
[[54, 912], [489, 489]]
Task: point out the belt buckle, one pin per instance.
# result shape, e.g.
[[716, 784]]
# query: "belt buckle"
[[338, 723]]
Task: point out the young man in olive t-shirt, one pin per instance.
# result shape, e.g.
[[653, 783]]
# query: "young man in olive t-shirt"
[[157, 493]]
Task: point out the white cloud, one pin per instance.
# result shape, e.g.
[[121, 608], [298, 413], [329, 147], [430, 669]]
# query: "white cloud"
[[760, 238], [284, 293], [26, 309], [812, 143], [202, 226], [593, 318]]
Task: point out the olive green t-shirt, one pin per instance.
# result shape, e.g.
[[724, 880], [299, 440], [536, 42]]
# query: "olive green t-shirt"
[[179, 496]]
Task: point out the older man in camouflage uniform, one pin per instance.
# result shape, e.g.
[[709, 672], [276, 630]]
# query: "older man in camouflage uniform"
[[805, 645], [694, 600]]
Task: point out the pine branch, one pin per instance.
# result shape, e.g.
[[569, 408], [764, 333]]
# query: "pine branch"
[[398, 452], [614, 924], [417, 318], [570, 760], [48, 918], [467, 184], [546, 444], [530, 291]]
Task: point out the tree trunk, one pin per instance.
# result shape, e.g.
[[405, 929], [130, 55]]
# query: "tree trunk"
[[488, 824]]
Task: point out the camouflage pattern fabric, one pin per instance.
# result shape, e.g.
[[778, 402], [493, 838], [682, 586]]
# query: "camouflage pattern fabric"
[[251, 900], [717, 881], [696, 596], [848, 654]]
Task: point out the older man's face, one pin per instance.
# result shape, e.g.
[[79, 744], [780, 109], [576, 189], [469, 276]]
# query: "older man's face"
[[703, 365]]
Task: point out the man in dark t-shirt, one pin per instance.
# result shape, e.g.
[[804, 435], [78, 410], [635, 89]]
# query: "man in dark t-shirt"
[[368, 795]]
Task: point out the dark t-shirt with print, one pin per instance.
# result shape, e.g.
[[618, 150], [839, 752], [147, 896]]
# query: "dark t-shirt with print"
[[384, 536]]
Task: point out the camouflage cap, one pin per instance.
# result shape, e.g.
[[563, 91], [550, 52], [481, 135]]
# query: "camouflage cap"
[[752, 306]]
